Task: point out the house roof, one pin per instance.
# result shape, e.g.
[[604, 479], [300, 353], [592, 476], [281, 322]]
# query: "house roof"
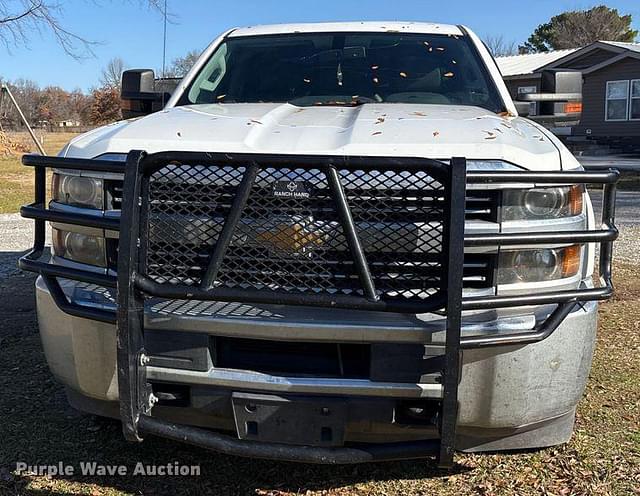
[[634, 47], [615, 47], [628, 54], [517, 65]]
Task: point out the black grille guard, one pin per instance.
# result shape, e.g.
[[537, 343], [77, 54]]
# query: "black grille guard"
[[448, 202]]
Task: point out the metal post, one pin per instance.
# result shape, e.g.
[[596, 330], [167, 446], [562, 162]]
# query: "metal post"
[[453, 238], [135, 394], [350, 233], [5, 89], [230, 224]]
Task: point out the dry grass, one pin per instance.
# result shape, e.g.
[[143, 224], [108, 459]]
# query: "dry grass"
[[16, 181], [602, 458]]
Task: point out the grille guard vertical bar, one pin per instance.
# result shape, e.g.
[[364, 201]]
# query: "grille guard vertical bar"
[[454, 244], [349, 228], [223, 241], [133, 391]]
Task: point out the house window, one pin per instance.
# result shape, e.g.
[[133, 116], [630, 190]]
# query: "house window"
[[617, 101], [634, 104], [526, 90]]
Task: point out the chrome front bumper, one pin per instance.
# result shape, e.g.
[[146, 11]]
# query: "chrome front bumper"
[[504, 391]]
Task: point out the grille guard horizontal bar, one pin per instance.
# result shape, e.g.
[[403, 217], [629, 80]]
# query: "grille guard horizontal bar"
[[37, 211], [357, 454]]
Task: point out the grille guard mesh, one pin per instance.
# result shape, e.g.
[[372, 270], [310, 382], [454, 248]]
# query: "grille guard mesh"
[[289, 236]]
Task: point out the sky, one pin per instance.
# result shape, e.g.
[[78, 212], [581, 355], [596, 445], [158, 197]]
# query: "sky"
[[130, 30]]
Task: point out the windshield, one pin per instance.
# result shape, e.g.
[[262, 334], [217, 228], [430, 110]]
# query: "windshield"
[[345, 69]]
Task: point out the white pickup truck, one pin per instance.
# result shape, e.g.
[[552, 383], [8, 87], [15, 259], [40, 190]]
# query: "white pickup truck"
[[332, 243]]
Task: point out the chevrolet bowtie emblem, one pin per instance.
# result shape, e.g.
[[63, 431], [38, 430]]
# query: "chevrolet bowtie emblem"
[[291, 237]]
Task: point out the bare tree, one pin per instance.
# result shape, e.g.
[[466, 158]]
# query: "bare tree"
[[20, 18], [112, 73], [499, 47], [181, 65]]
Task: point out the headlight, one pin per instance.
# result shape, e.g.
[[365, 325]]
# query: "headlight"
[[544, 264], [79, 247], [77, 191], [542, 203]]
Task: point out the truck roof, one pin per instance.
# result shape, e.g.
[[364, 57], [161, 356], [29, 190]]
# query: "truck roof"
[[333, 27]]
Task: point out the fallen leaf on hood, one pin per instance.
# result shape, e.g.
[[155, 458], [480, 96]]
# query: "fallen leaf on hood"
[[491, 135]]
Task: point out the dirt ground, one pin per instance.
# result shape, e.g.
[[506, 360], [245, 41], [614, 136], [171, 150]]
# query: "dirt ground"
[[38, 427]]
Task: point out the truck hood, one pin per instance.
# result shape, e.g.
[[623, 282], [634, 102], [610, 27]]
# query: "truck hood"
[[433, 131]]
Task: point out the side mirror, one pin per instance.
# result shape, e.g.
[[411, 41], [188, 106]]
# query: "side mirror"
[[138, 94], [523, 108]]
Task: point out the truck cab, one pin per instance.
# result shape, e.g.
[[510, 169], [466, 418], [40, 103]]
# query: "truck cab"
[[331, 243]]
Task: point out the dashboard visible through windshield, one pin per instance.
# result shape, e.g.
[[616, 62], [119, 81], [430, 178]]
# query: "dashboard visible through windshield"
[[345, 69]]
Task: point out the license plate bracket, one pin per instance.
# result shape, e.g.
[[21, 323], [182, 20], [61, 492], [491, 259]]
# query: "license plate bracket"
[[298, 421]]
